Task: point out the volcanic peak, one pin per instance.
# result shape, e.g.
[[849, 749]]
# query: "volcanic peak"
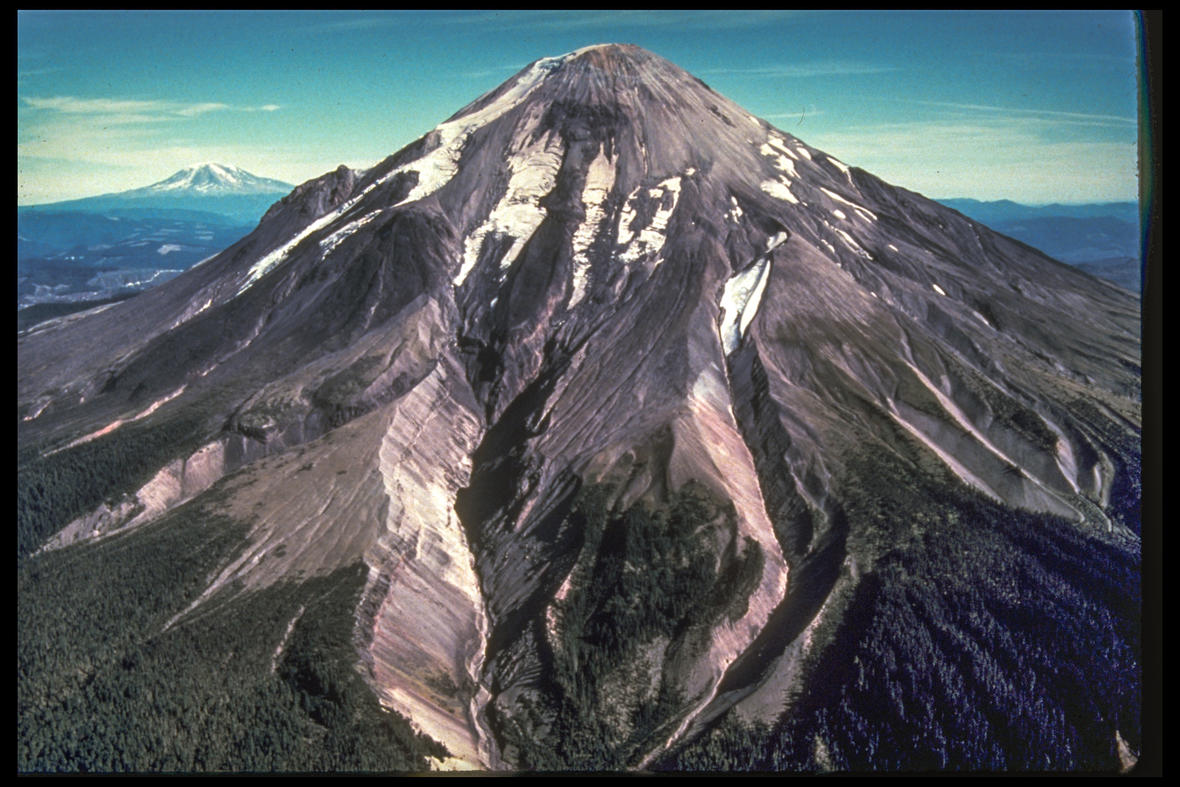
[[608, 72], [214, 177], [612, 57], [592, 287]]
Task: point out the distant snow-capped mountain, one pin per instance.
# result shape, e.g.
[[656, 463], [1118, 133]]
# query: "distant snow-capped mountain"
[[131, 236], [213, 178], [214, 188]]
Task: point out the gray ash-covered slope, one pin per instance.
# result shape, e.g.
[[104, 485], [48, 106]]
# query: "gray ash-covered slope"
[[645, 418]]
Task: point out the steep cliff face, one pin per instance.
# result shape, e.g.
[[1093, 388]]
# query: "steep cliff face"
[[598, 379]]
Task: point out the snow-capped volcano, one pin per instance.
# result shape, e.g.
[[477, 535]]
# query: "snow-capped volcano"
[[663, 439], [212, 178], [211, 188]]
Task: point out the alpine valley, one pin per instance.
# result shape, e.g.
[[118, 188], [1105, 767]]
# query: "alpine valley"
[[605, 427]]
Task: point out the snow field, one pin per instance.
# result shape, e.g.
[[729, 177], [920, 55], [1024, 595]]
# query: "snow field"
[[651, 238], [600, 179], [533, 173]]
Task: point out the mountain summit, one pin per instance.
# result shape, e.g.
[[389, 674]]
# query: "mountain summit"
[[664, 440], [213, 178]]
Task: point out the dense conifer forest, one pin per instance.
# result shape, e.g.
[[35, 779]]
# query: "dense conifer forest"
[[54, 487], [979, 638], [114, 676], [960, 635]]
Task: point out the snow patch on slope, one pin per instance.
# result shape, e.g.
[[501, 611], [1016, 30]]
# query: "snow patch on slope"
[[626, 218], [437, 167], [600, 179], [533, 173], [779, 144], [779, 189], [852, 244], [735, 212], [277, 255], [332, 241], [651, 238], [840, 165], [742, 296], [860, 209], [848, 241], [783, 163]]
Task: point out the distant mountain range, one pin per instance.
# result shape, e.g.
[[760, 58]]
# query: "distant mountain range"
[[1003, 211], [1102, 239], [86, 250]]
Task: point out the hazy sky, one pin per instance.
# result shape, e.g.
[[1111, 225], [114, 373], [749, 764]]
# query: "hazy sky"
[[1031, 106]]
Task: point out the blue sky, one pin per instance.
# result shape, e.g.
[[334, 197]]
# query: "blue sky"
[[1032, 106]]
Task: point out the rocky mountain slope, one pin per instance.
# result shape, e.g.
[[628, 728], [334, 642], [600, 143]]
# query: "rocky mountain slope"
[[651, 426]]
